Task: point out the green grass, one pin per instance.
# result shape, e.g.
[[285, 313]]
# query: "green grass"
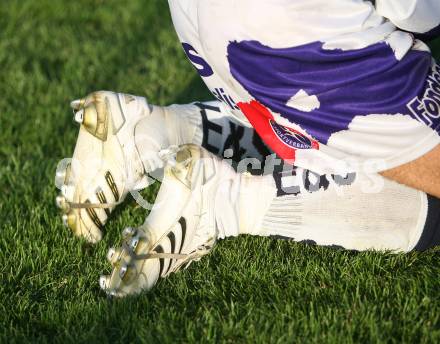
[[247, 290]]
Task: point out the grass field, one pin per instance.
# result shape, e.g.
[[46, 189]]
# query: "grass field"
[[247, 290]]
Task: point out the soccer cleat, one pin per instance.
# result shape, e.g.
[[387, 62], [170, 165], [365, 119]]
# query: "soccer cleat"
[[181, 227], [105, 164]]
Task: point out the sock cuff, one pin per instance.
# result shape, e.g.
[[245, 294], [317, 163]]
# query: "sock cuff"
[[198, 132], [184, 124], [430, 234]]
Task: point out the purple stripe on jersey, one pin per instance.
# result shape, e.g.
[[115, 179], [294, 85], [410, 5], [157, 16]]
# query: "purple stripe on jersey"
[[346, 83]]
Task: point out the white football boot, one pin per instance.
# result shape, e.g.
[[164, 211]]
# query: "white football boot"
[[182, 226], [105, 164], [122, 138]]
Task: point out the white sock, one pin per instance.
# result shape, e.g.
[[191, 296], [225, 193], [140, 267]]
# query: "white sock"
[[345, 216], [207, 124], [174, 125]]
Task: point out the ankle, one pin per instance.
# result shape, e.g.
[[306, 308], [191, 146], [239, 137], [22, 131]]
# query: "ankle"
[[255, 198]]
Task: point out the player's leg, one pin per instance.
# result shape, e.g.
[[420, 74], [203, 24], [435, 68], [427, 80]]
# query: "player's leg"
[[213, 127], [105, 174], [350, 216], [119, 142], [421, 174], [203, 199]]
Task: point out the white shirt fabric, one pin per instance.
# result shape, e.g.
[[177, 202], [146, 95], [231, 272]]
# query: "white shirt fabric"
[[330, 86]]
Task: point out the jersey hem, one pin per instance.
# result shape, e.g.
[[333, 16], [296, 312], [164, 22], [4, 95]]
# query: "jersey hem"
[[411, 154]]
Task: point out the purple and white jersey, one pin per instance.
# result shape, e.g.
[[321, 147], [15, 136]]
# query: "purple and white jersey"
[[324, 83]]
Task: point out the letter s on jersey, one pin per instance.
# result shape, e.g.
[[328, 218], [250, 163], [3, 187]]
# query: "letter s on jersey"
[[203, 68]]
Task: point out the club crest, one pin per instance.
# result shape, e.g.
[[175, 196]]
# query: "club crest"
[[292, 137]]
